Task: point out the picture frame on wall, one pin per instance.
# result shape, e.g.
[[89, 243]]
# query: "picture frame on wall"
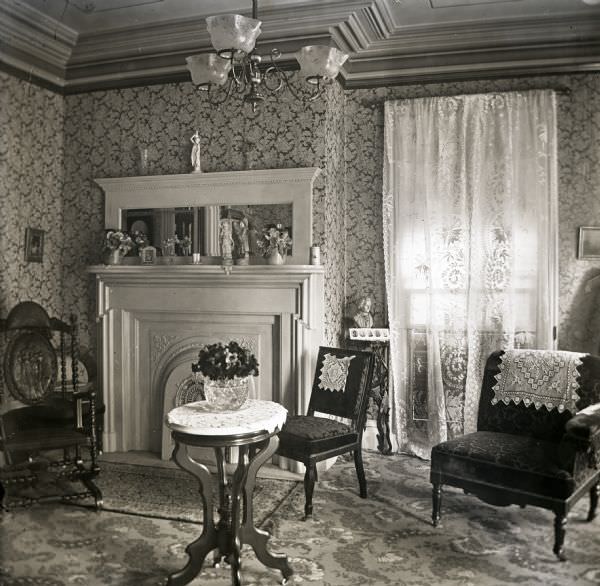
[[588, 242], [34, 245]]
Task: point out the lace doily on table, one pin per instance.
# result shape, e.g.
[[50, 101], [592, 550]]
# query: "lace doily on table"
[[334, 372], [200, 419], [539, 377]]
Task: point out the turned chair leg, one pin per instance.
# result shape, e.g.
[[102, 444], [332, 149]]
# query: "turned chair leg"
[[436, 495], [360, 472], [560, 528], [594, 494], [309, 485]]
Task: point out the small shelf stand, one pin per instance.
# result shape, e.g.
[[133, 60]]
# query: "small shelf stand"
[[377, 340]]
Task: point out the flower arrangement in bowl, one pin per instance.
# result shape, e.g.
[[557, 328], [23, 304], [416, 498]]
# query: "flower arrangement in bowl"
[[117, 244], [275, 243], [226, 369]]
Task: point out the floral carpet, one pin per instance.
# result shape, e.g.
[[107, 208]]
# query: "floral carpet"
[[384, 540], [170, 493]]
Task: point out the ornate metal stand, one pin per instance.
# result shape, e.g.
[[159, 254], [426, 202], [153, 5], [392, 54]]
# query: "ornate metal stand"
[[380, 388], [235, 525]]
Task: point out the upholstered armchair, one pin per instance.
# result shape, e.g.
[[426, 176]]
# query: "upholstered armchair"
[[537, 440]]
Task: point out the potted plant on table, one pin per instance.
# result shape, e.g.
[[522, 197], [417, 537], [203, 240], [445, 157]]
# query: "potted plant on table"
[[226, 370], [275, 243]]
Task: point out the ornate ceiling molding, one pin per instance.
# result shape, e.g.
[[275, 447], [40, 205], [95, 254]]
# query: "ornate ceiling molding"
[[383, 51]]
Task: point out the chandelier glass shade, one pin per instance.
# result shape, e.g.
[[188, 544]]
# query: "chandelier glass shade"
[[239, 69]]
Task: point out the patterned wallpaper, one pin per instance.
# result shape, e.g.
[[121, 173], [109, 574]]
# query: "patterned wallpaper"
[[579, 182], [47, 185], [105, 130], [31, 171]]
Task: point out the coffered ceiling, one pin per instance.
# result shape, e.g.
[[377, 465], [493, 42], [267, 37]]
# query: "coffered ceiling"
[[80, 45]]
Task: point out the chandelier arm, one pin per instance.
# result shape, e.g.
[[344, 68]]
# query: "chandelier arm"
[[273, 72], [317, 92], [210, 95]]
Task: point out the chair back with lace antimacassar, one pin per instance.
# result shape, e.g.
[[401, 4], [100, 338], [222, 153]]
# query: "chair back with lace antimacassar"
[[537, 440], [340, 389], [47, 418]]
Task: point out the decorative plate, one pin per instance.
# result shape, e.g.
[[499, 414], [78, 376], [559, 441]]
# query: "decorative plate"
[[30, 367]]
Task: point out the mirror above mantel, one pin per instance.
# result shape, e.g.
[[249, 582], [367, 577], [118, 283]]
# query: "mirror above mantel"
[[200, 225], [287, 192]]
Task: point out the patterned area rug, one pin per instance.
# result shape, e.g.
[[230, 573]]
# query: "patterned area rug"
[[385, 540], [171, 493]]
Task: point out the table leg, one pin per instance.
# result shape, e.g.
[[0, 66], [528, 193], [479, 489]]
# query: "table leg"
[[224, 524], [238, 486], [201, 547], [257, 538]]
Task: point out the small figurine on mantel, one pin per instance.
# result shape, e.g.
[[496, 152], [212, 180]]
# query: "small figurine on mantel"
[[363, 318], [242, 246], [196, 164], [226, 242]]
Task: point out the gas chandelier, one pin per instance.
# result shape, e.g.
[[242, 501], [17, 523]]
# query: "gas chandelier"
[[237, 66]]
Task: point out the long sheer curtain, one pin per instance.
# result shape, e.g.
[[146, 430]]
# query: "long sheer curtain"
[[470, 241]]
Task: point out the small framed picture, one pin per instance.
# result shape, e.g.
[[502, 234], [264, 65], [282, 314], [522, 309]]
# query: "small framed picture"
[[34, 245], [148, 255], [589, 242]]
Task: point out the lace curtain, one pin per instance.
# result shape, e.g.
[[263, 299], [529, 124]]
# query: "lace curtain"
[[470, 241]]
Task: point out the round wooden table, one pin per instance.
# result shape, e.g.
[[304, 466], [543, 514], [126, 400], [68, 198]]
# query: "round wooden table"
[[253, 430]]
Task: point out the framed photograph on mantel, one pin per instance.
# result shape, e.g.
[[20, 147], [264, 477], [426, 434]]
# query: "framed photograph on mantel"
[[34, 245], [589, 242]]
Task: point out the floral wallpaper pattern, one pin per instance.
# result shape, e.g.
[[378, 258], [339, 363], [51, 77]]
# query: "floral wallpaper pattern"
[[53, 147], [31, 170], [105, 130]]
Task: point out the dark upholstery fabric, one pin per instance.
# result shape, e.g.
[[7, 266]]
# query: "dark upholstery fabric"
[[583, 435], [314, 428], [538, 423], [315, 434], [517, 419], [501, 459], [351, 402]]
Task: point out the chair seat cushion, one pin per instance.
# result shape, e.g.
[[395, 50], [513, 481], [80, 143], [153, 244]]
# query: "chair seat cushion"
[[306, 434], [58, 409], [42, 439], [514, 462]]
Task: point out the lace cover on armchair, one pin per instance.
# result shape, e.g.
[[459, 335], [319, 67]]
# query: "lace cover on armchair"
[[539, 377]]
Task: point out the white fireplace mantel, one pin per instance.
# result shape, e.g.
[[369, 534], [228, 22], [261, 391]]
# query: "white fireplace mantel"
[[265, 186], [154, 319]]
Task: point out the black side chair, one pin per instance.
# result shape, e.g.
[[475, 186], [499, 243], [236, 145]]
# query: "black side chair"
[[527, 456], [340, 388]]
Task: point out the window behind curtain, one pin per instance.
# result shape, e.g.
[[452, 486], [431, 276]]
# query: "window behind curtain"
[[470, 245]]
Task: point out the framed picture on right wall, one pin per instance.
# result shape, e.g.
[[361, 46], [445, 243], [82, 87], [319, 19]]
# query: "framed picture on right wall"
[[589, 242]]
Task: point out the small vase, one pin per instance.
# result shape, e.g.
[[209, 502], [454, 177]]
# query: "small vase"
[[275, 258], [113, 257], [226, 395]]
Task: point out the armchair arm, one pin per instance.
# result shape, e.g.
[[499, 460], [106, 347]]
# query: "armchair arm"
[[582, 434]]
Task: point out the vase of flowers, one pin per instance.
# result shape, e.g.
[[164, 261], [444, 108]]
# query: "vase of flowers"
[[275, 243], [116, 245], [226, 370]]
